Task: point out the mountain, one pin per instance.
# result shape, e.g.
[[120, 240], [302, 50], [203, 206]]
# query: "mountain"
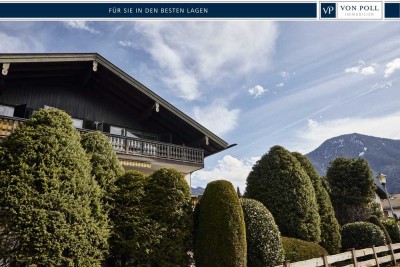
[[382, 154], [197, 191]]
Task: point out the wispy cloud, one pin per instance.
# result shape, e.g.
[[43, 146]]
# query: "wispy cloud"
[[127, 44], [217, 116], [257, 91], [362, 69], [392, 66], [80, 25], [228, 168], [195, 53], [317, 132]]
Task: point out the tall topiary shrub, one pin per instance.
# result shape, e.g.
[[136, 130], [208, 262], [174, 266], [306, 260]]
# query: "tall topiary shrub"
[[330, 229], [280, 183], [352, 189], [50, 206], [168, 202], [264, 245], [134, 235], [373, 219], [106, 167], [360, 235], [220, 229]]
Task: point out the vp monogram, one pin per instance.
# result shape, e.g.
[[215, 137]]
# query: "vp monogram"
[[328, 10]]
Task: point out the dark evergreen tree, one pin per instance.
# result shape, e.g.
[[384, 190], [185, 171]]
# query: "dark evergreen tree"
[[352, 189], [220, 229], [106, 167], [280, 183], [238, 192], [167, 201], [50, 206], [134, 235], [264, 245], [330, 229]]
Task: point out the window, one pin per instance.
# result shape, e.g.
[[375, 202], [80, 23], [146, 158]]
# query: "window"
[[77, 123], [117, 130], [6, 111]]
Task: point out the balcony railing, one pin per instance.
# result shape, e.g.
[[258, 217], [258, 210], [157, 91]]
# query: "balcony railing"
[[128, 145]]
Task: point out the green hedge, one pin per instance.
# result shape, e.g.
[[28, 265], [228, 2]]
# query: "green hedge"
[[392, 230], [360, 235], [220, 230], [299, 250], [167, 201], [373, 219], [106, 167], [134, 235], [264, 245]]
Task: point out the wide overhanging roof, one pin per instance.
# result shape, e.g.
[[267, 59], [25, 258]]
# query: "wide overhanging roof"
[[117, 83]]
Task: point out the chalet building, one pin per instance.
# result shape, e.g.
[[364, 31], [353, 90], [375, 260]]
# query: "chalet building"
[[147, 132]]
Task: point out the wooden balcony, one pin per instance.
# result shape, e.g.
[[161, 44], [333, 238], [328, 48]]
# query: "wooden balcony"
[[128, 146]]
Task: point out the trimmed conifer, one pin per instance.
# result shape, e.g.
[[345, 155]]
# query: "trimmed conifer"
[[361, 235], [168, 202], [264, 245], [50, 206], [330, 229], [134, 235], [352, 189], [220, 228], [373, 219], [106, 167], [280, 183]]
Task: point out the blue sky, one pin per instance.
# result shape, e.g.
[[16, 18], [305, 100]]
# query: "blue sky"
[[257, 84]]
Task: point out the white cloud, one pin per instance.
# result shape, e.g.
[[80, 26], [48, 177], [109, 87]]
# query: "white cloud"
[[392, 66], [382, 85], [193, 53], [368, 70], [80, 25], [352, 70], [257, 91], [126, 44], [362, 69], [217, 117], [228, 168], [280, 85], [312, 137]]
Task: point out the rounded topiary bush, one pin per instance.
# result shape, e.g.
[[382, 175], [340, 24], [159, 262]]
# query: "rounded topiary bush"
[[392, 230], [373, 219], [220, 229], [300, 250], [360, 235], [264, 245]]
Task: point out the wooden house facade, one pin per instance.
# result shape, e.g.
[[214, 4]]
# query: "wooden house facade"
[[146, 131]]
